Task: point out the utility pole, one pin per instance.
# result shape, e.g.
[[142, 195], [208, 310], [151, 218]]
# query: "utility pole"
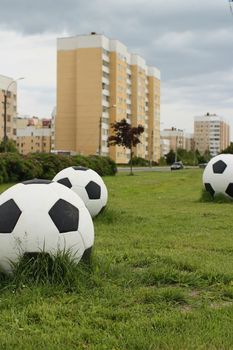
[[151, 150], [100, 135], [176, 148], [4, 122]]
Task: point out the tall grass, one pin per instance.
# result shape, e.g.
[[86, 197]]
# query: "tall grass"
[[217, 198], [60, 269]]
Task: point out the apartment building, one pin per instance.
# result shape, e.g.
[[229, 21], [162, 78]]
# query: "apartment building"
[[53, 117], [8, 87], [100, 82], [177, 138], [33, 135], [211, 133], [165, 146]]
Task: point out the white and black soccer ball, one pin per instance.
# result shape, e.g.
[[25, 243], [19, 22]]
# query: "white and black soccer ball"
[[87, 184], [43, 216], [218, 175]]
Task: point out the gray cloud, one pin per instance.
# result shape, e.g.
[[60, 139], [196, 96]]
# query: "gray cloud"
[[190, 41]]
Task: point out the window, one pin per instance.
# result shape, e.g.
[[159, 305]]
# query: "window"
[[106, 64], [106, 52], [105, 75], [106, 98]]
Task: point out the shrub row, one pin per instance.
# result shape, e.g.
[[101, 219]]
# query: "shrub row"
[[15, 167]]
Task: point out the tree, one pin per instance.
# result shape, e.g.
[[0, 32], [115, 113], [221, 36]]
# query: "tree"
[[10, 146], [170, 157], [126, 136], [229, 149]]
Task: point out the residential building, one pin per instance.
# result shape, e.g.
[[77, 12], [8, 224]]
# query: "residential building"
[[9, 87], [100, 82], [189, 144], [211, 133], [176, 138], [53, 115], [33, 135], [165, 146]]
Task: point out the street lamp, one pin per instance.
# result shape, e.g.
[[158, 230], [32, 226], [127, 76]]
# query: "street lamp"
[[100, 129], [5, 114]]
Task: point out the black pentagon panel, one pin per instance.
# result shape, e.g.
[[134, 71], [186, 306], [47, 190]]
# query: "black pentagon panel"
[[65, 216], [229, 190], [65, 181], [82, 168], [219, 167], [93, 190], [9, 216], [209, 189], [37, 181]]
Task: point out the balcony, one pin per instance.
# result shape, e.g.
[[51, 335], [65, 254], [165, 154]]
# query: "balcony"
[[105, 80], [105, 103], [105, 69], [105, 92], [105, 57]]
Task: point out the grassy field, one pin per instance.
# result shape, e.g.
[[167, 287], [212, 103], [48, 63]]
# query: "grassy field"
[[161, 277]]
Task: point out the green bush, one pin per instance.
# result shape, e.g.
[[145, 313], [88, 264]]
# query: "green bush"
[[138, 161], [15, 167]]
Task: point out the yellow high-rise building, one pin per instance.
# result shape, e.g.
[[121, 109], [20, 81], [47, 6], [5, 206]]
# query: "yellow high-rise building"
[[211, 133], [100, 82]]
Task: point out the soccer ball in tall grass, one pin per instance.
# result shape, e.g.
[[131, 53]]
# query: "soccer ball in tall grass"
[[218, 175], [43, 216], [87, 184]]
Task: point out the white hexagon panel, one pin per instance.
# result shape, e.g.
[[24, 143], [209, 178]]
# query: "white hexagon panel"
[[87, 184]]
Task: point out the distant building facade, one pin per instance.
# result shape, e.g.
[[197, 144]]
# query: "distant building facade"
[[177, 138], [53, 115], [9, 86], [211, 133], [165, 146], [33, 135], [100, 82]]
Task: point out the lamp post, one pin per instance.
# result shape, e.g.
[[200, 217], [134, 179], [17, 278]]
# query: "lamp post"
[[152, 150], [100, 130], [5, 112]]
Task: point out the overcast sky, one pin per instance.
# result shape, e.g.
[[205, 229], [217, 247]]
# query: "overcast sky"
[[190, 41]]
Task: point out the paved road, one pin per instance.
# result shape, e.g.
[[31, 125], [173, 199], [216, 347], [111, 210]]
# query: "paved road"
[[138, 169], [149, 169]]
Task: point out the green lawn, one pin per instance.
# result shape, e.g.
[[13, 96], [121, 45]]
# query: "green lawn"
[[162, 276]]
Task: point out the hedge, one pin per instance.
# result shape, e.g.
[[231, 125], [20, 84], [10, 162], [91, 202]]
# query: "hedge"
[[15, 167]]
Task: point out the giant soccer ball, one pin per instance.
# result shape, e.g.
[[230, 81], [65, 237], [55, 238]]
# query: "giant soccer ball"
[[218, 175], [43, 216], [87, 184]]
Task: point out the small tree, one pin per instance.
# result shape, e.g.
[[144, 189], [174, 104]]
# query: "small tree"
[[170, 157], [10, 146], [229, 149], [126, 136]]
